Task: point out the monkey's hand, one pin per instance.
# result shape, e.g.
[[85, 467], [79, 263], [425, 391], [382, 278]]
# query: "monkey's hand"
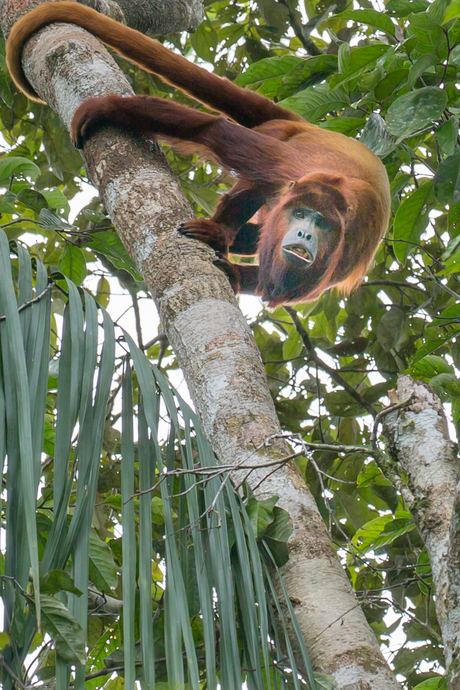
[[211, 233], [206, 231]]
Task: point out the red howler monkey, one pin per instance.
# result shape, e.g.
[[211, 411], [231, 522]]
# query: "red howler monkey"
[[322, 199]]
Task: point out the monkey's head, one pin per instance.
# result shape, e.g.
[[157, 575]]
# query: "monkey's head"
[[323, 232]]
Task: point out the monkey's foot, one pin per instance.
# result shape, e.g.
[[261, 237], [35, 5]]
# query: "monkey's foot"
[[230, 270], [206, 231]]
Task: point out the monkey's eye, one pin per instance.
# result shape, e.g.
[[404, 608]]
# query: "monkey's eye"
[[321, 221], [300, 213]]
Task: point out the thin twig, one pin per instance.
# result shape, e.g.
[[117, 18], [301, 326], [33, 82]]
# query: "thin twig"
[[333, 373]]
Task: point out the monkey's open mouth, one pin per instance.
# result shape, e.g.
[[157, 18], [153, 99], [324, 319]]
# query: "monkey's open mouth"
[[300, 252]]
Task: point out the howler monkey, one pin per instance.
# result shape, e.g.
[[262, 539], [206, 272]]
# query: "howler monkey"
[[322, 200]]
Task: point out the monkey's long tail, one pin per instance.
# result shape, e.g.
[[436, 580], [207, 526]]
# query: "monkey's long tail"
[[244, 106]]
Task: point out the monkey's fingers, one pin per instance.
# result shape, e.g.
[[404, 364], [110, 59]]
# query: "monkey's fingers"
[[206, 231], [230, 270]]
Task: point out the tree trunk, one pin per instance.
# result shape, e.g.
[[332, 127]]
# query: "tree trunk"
[[419, 441], [213, 343]]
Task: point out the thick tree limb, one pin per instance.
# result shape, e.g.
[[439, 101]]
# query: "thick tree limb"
[[419, 442]]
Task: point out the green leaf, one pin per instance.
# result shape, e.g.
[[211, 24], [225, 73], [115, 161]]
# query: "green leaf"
[[266, 75], [361, 60], [446, 136], [73, 264], [422, 63], [32, 199], [56, 199], [204, 41], [109, 244], [376, 137], [344, 125], [261, 514], [19, 167], [292, 346], [6, 203], [379, 20], [430, 35], [102, 568], [410, 220], [390, 83], [430, 684], [66, 632], [307, 73], [432, 365], [53, 222], [315, 102], [103, 292], [414, 111], [447, 180], [453, 11], [402, 8], [382, 531], [58, 581], [277, 535], [390, 328]]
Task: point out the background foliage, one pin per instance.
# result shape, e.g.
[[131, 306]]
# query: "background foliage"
[[390, 76]]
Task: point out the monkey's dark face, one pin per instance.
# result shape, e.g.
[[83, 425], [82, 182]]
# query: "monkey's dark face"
[[307, 233]]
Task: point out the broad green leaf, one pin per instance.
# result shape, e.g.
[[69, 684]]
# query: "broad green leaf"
[[382, 530], [430, 35], [17, 166], [102, 568], [447, 383], [73, 264], [58, 581], [361, 60], [410, 220], [344, 125], [453, 11], [446, 136], [376, 137], [64, 630], [430, 684], [292, 346], [402, 8], [307, 73], [261, 514], [432, 365], [204, 41], [266, 75], [109, 244], [32, 199], [415, 110], [390, 83], [6, 203], [422, 63], [53, 222], [103, 292], [277, 534], [315, 102], [447, 180], [379, 20], [205, 198], [56, 199], [390, 328]]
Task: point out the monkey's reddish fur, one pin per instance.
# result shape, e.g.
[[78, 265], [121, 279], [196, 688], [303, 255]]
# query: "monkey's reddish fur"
[[282, 161]]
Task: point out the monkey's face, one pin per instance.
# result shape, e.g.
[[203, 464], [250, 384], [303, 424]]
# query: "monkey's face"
[[307, 234]]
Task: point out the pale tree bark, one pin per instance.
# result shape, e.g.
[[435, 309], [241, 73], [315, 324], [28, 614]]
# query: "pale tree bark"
[[419, 442], [213, 344]]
